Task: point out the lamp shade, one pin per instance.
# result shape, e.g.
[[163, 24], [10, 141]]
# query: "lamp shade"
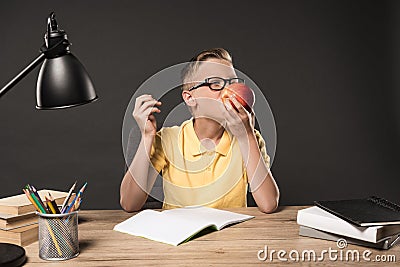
[[63, 82]]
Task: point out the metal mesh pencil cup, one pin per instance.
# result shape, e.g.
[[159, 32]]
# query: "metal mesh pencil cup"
[[58, 236]]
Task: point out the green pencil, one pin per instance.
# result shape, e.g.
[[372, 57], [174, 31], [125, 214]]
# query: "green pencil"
[[42, 209]]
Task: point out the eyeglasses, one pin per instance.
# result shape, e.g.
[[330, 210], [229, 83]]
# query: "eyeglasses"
[[217, 83]]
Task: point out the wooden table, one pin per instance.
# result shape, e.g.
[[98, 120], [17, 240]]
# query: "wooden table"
[[235, 245]]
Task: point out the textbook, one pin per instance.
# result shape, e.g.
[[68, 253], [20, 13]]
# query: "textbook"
[[384, 244], [320, 219], [20, 204], [21, 236], [370, 211], [9, 221], [176, 226]]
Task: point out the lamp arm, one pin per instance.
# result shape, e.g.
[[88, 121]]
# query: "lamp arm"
[[23, 73]]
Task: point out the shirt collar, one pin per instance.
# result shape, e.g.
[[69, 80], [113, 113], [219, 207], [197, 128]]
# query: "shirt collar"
[[196, 148]]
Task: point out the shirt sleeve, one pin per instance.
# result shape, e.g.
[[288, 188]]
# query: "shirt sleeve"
[[262, 147], [157, 155]]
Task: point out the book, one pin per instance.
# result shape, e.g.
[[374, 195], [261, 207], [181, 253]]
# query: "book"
[[21, 236], [370, 211], [20, 204], [386, 243], [176, 226], [17, 221], [10, 220], [320, 219]]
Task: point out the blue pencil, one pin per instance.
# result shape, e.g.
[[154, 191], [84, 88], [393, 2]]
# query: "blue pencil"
[[76, 197]]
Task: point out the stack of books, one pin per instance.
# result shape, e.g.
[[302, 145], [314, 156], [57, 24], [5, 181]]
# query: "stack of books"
[[371, 222], [18, 221]]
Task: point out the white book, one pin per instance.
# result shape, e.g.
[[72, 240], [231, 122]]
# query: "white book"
[[20, 204], [386, 243], [320, 219], [175, 226]]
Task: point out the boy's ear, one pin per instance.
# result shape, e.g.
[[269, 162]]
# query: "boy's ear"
[[188, 98]]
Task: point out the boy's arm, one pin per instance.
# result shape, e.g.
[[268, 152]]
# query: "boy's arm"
[[139, 178], [262, 184]]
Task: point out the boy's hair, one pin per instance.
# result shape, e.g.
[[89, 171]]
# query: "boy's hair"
[[190, 68]]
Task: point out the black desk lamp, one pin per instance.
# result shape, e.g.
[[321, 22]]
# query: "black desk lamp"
[[63, 81]]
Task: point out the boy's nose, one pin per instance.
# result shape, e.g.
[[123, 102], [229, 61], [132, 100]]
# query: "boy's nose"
[[226, 93]]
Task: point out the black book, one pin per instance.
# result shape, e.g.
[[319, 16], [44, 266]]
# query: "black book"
[[371, 211]]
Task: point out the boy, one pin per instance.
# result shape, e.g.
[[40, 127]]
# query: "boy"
[[207, 160]]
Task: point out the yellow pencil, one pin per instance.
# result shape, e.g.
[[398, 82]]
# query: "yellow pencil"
[[50, 205], [54, 238], [54, 204]]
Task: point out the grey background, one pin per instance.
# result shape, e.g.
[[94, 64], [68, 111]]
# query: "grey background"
[[329, 70]]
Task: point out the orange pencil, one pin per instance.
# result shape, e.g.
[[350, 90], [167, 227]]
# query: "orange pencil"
[[31, 199], [76, 204]]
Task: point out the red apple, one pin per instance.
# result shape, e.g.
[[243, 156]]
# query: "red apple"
[[243, 94]]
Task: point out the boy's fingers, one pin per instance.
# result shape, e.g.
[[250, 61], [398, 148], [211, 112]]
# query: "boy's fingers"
[[149, 111], [227, 104], [148, 104], [236, 103], [232, 110], [152, 118], [141, 99], [229, 111], [154, 109]]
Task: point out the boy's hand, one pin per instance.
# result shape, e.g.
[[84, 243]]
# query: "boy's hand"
[[240, 122], [143, 114]]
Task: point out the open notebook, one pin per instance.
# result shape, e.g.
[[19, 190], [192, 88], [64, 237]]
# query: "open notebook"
[[178, 225]]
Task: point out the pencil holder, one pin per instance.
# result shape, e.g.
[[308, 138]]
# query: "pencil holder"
[[58, 236]]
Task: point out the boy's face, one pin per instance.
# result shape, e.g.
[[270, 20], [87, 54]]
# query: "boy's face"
[[204, 101]]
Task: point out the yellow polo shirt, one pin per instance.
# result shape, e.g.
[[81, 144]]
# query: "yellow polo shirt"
[[193, 175]]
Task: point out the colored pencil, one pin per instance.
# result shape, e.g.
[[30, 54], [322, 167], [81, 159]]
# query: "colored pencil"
[[35, 203], [54, 204], [31, 199], [33, 189], [76, 197], [36, 200], [64, 205]]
